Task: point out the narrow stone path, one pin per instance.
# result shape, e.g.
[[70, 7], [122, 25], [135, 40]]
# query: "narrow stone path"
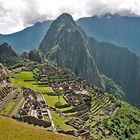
[[52, 123]]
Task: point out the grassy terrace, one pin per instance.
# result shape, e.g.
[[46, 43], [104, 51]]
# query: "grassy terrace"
[[60, 122], [51, 100], [12, 130], [27, 80]]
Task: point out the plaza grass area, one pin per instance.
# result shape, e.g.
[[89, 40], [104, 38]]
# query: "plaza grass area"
[[26, 79], [25, 75], [51, 100], [13, 130], [59, 122]]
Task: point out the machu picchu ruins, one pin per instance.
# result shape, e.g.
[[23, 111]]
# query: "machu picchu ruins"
[[73, 101]]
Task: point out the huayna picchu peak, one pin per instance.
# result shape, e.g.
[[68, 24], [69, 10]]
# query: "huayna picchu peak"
[[67, 44]]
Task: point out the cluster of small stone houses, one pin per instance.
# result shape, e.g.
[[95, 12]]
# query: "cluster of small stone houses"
[[34, 109]]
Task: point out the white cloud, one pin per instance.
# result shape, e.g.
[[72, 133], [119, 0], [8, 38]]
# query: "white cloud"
[[18, 14]]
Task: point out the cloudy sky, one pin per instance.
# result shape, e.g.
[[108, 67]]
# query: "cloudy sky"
[[15, 15]]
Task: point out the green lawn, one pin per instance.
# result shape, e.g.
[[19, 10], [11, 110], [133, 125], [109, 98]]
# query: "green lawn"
[[13, 130], [51, 100], [60, 122], [26, 75]]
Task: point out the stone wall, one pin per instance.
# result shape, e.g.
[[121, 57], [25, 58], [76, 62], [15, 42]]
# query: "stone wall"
[[33, 120]]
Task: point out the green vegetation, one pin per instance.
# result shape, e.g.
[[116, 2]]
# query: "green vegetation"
[[58, 92], [37, 56], [109, 117], [9, 57], [26, 75], [112, 118], [46, 117], [13, 130], [52, 100], [126, 123], [111, 87]]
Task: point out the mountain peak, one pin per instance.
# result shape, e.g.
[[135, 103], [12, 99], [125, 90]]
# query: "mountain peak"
[[66, 19], [67, 45], [65, 16]]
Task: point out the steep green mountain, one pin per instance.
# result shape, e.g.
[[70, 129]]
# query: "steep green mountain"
[[28, 38], [119, 64], [67, 44], [121, 30], [5, 52]]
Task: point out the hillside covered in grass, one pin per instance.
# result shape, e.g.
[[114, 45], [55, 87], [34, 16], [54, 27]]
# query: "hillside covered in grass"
[[13, 130]]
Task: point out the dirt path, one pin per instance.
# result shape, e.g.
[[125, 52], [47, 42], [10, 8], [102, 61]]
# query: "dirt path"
[[52, 123]]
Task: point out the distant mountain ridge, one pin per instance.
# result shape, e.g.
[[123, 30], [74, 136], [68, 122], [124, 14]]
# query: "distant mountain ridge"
[[120, 30], [28, 38]]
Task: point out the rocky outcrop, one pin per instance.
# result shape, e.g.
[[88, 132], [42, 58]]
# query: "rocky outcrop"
[[9, 58], [67, 44], [6, 52], [37, 56]]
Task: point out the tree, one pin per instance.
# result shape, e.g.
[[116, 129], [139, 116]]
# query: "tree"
[[58, 93]]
